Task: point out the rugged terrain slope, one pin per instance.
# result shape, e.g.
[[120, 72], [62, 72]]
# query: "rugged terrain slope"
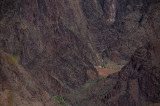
[[137, 84], [51, 47]]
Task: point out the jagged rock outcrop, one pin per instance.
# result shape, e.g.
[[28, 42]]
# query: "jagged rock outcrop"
[[34, 31], [103, 26], [19, 87], [137, 84], [56, 43], [50, 58]]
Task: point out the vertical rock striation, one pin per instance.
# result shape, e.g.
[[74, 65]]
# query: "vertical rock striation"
[[56, 44], [137, 84]]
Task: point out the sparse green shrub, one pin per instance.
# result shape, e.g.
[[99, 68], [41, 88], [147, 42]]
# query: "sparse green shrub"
[[10, 98], [103, 66], [102, 77], [59, 99], [13, 59]]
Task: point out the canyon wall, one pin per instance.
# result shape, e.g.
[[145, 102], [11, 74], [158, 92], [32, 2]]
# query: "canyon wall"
[[137, 84], [56, 44]]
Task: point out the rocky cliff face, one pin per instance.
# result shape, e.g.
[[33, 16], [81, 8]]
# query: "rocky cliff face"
[[41, 45], [56, 44], [19, 87], [105, 26], [137, 84], [35, 32], [132, 19]]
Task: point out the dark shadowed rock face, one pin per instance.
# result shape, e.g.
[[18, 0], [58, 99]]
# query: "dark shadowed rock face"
[[34, 31], [143, 72], [132, 19], [137, 84], [50, 47], [20, 87], [48, 58], [102, 27]]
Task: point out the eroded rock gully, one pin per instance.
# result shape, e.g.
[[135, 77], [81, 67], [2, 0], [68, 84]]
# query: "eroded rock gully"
[[50, 47], [137, 84]]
